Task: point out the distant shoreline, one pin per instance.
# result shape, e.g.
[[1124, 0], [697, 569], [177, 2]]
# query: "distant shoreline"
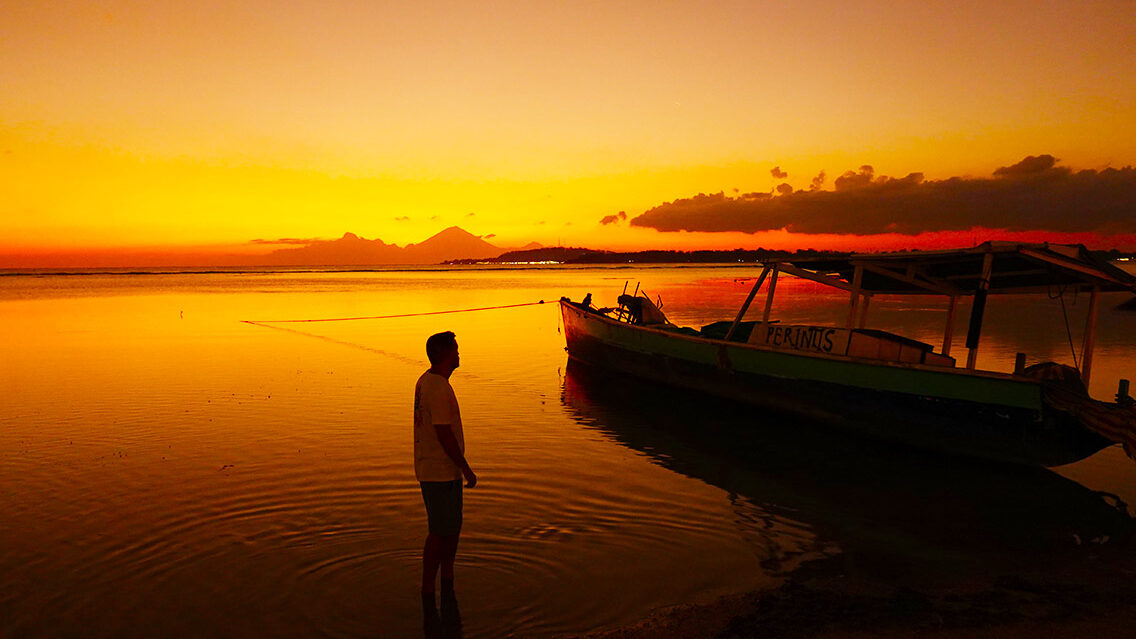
[[584, 256], [578, 255]]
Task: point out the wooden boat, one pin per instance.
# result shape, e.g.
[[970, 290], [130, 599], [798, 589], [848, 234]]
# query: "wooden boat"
[[877, 383]]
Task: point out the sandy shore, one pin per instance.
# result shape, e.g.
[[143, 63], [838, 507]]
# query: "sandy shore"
[[1091, 593]]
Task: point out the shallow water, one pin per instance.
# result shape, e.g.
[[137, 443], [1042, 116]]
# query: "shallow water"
[[171, 471]]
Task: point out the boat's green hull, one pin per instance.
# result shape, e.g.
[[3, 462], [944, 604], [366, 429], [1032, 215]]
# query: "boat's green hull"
[[978, 414]]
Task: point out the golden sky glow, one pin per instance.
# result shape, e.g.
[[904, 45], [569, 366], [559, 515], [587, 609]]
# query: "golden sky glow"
[[166, 124]]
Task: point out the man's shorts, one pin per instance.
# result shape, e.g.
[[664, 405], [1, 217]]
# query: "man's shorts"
[[443, 506]]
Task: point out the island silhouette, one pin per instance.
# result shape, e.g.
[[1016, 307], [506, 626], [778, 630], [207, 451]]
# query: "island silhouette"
[[453, 243]]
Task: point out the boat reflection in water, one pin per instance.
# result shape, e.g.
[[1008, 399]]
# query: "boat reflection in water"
[[878, 510]]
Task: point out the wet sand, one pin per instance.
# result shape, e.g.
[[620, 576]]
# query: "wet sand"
[[1085, 593]]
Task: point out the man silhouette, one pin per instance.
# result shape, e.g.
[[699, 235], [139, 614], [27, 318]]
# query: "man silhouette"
[[439, 460]]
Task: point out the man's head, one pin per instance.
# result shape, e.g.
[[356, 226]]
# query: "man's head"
[[442, 349]]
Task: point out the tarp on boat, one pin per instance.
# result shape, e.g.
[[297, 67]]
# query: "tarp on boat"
[[1016, 268]]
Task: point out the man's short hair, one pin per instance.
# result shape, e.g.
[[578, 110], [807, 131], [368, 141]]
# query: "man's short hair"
[[439, 345]]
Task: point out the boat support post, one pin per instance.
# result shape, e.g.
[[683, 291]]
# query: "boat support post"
[[769, 294], [857, 279], [749, 300], [948, 334], [976, 311], [1090, 337]]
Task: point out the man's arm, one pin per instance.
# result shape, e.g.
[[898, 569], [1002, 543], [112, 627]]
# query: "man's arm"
[[450, 445]]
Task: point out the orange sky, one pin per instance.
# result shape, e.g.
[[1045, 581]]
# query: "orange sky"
[[162, 125]]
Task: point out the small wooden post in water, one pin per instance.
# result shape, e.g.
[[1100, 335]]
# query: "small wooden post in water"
[[749, 300], [1019, 363], [1090, 337]]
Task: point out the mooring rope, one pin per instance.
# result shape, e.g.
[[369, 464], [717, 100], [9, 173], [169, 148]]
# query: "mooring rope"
[[1064, 313], [362, 347], [375, 317], [377, 351]]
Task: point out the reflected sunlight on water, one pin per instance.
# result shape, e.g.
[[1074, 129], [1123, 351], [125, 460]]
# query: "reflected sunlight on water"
[[169, 470]]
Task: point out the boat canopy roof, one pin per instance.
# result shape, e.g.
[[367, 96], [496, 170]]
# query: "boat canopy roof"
[[1015, 268]]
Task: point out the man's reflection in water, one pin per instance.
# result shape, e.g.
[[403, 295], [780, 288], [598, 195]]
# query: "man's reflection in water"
[[443, 624]]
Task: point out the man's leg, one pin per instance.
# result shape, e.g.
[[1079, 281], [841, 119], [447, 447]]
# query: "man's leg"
[[451, 621], [449, 546], [450, 542], [431, 621], [432, 555]]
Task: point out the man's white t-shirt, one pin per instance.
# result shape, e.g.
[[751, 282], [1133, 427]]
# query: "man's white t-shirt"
[[435, 403]]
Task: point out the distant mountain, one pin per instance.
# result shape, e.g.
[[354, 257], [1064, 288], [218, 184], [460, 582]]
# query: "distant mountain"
[[453, 243], [347, 250], [448, 245]]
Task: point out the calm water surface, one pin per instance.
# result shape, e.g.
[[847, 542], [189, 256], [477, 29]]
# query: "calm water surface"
[[170, 471]]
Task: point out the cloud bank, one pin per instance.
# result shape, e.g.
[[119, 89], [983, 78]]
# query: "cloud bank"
[[1034, 194]]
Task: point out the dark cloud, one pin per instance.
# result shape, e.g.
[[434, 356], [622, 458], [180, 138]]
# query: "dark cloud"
[[612, 219], [490, 236], [1034, 194], [470, 214], [784, 188], [817, 182], [777, 173], [855, 179], [402, 218], [1032, 165]]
